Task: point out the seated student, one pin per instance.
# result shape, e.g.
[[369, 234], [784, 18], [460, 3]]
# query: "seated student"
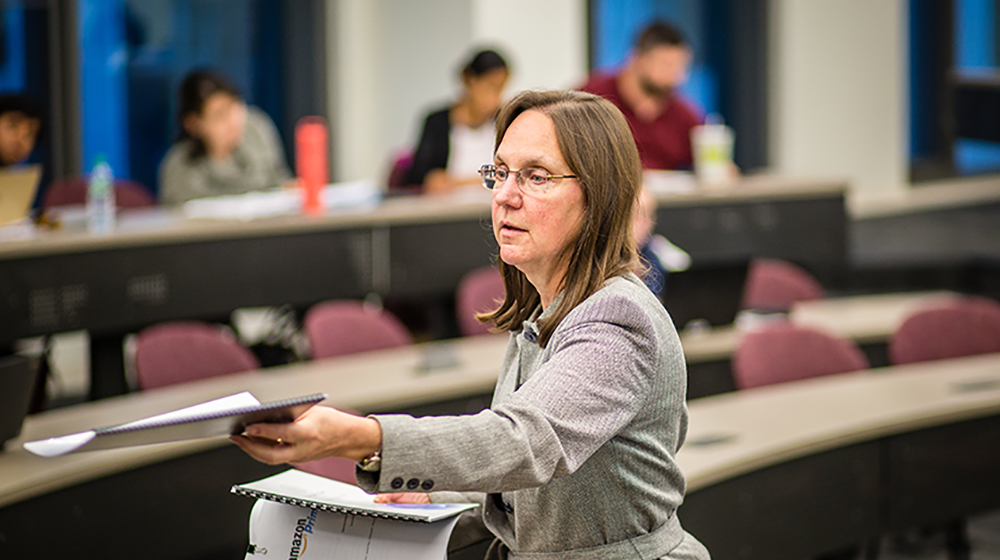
[[658, 257], [20, 127], [224, 147], [645, 91], [457, 139]]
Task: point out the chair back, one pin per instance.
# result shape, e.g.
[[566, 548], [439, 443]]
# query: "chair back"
[[400, 169], [479, 291], [179, 352], [785, 352], [966, 327], [73, 191], [775, 285], [340, 327]]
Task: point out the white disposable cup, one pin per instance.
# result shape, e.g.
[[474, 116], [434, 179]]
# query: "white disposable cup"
[[712, 145]]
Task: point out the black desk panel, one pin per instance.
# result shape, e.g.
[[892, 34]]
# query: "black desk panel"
[[797, 509], [118, 290], [943, 474], [179, 509], [430, 259], [810, 232]]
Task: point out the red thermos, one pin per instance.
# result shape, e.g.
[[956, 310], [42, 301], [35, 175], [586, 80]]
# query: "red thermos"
[[311, 162]]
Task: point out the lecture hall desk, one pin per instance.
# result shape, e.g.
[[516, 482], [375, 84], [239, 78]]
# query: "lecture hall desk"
[[780, 472], [158, 266]]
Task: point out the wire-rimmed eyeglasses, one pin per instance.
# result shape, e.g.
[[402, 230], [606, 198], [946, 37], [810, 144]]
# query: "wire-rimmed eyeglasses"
[[530, 179]]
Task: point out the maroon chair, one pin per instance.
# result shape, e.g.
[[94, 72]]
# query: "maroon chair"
[[776, 285], [66, 192], [179, 352], [785, 352], [479, 291], [965, 327], [400, 169], [340, 327]]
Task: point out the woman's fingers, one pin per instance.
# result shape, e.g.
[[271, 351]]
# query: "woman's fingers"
[[403, 498], [265, 450], [320, 432]]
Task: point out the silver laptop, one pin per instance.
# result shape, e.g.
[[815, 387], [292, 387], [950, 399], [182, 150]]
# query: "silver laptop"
[[18, 186]]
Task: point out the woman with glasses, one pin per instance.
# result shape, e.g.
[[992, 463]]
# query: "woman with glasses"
[[575, 457]]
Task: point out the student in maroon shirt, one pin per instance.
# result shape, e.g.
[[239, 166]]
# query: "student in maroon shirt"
[[645, 91]]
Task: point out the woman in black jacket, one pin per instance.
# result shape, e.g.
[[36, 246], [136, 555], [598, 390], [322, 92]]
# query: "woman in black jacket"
[[457, 139]]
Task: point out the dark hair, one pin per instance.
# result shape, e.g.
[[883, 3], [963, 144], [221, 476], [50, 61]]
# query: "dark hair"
[[597, 145], [660, 34], [20, 103], [196, 89], [482, 62]]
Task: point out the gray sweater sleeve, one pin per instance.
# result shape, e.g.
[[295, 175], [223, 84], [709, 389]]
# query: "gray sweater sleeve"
[[593, 384]]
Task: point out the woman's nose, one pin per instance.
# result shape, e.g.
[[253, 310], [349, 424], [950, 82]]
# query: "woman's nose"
[[507, 192]]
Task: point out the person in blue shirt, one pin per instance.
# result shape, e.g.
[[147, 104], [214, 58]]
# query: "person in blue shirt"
[[658, 256]]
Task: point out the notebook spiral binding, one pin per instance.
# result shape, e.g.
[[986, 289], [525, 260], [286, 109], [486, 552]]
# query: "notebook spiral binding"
[[321, 506]]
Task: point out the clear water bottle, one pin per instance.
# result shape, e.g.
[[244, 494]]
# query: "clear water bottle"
[[101, 198]]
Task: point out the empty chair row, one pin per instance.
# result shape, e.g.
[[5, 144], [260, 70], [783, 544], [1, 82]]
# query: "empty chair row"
[[782, 352]]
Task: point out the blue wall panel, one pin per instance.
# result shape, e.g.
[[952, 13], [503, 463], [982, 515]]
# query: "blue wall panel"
[[103, 82], [12, 69]]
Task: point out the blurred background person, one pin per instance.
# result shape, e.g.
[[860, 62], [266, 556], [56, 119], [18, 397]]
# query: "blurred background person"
[[658, 256], [224, 147], [646, 92], [20, 127], [457, 139]]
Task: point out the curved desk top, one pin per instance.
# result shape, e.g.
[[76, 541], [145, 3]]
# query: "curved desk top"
[[740, 432], [750, 429], [166, 226]]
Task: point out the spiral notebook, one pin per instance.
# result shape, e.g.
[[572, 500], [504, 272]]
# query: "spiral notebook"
[[220, 417], [306, 490]]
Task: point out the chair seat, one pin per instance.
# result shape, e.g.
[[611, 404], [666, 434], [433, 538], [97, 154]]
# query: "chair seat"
[[180, 352], [340, 327], [73, 191], [786, 352], [776, 285], [479, 291], [966, 327]]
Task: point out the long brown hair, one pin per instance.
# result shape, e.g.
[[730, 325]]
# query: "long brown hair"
[[597, 145]]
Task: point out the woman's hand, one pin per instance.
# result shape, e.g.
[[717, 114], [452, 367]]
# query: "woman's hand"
[[438, 181], [403, 498], [319, 433]]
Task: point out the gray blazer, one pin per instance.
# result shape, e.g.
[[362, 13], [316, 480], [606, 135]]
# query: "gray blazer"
[[576, 454]]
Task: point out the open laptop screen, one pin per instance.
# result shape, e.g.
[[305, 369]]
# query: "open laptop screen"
[[17, 192], [711, 291]]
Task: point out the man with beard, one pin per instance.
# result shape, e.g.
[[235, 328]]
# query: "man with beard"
[[645, 91]]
